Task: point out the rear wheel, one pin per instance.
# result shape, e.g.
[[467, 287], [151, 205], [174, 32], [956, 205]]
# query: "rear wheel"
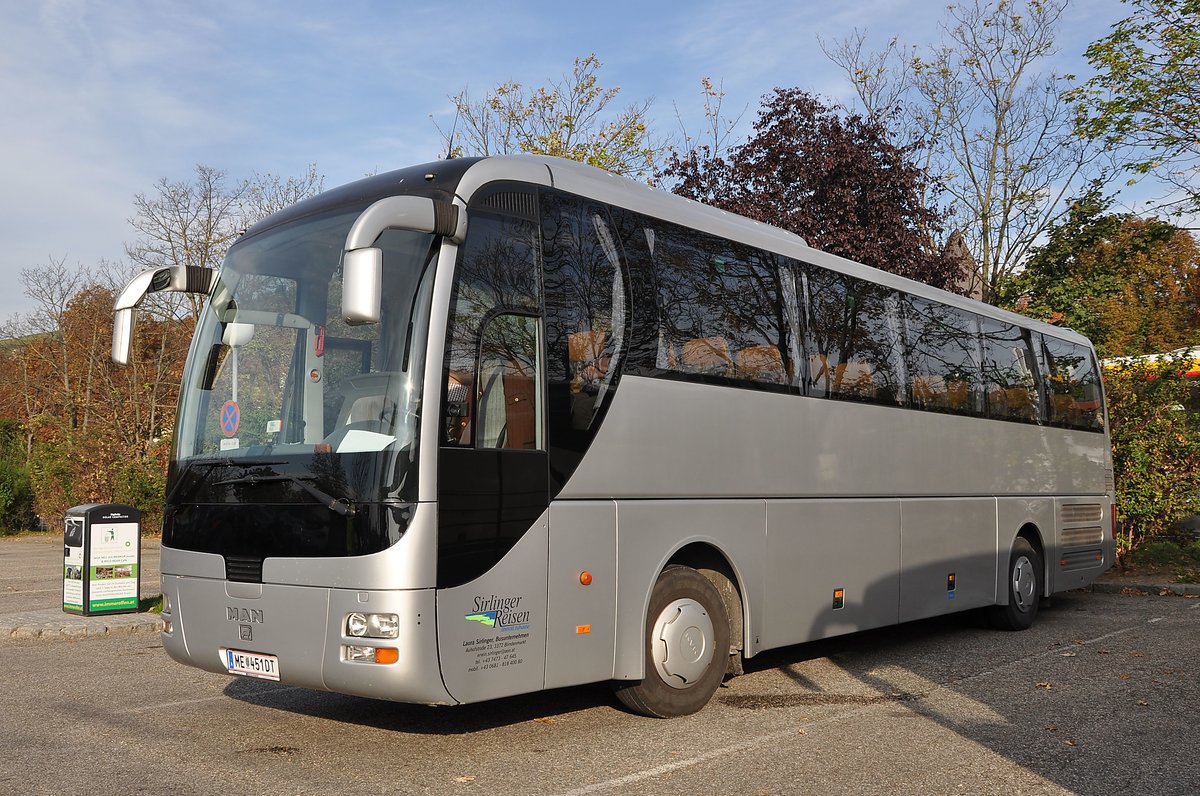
[[1024, 589], [687, 647]]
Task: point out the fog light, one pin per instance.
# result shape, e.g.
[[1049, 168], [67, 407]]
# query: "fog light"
[[361, 654], [166, 603], [168, 626], [356, 625]]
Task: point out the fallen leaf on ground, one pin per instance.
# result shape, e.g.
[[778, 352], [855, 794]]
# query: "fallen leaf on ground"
[[544, 720], [1069, 742], [467, 778], [1046, 686]]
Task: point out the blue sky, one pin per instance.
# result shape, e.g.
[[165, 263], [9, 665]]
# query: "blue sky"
[[98, 100]]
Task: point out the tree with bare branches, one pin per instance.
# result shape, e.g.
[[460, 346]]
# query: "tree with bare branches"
[[999, 133]]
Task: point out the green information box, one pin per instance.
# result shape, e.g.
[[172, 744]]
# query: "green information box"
[[102, 559]]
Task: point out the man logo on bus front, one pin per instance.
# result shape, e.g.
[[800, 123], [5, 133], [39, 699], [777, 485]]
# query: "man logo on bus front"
[[252, 616]]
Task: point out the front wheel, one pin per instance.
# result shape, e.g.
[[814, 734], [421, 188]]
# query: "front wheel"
[[687, 647], [1024, 589]]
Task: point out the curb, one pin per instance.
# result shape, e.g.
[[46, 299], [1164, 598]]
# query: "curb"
[[1161, 589], [55, 624]]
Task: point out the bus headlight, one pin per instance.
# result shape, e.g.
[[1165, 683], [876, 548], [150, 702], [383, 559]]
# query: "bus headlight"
[[356, 625], [360, 625]]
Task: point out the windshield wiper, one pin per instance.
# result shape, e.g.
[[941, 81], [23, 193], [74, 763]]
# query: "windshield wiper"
[[327, 500], [207, 467]]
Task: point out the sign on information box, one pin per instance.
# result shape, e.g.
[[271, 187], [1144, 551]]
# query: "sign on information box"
[[102, 559]]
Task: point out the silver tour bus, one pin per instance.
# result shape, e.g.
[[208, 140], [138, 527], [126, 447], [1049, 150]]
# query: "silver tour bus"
[[488, 426]]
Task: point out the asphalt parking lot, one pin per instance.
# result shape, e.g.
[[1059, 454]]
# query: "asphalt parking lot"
[[1102, 696]]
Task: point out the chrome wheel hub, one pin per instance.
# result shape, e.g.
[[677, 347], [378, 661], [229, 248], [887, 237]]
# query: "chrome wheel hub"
[[1024, 584], [682, 643]]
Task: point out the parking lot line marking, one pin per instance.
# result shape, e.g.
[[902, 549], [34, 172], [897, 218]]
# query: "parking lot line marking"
[[674, 765]]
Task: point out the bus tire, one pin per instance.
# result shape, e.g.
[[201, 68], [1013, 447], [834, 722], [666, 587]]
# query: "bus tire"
[[1024, 589], [687, 647]]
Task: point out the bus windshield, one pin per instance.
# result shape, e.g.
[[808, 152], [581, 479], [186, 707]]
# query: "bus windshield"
[[275, 376]]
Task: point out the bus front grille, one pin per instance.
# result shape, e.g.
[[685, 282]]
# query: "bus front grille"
[[244, 569]]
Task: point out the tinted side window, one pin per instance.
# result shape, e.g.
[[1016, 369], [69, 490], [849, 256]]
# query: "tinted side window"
[[496, 272], [585, 304], [1073, 386], [1009, 372], [943, 358], [720, 313], [509, 405], [853, 340]]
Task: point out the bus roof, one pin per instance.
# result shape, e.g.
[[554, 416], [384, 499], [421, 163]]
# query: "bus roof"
[[458, 179]]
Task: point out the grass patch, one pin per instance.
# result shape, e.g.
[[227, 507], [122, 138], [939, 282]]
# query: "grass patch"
[[150, 604], [1181, 560]]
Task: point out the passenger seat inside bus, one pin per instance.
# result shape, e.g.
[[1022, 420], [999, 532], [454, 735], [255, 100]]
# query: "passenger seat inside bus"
[[706, 355]]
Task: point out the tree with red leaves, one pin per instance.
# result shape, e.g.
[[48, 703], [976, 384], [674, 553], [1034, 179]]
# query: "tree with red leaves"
[[836, 180]]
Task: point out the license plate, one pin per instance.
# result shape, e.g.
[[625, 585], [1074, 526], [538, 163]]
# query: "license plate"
[[251, 664]]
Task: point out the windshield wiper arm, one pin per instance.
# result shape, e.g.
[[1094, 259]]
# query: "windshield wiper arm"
[[207, 467], [325, 499]]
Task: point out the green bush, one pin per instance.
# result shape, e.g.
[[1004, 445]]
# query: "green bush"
[[1156, 451], [141, 483], [1193, 551], [16, 488], [16, 499]]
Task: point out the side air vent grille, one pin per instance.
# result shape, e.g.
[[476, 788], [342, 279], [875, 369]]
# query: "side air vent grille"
[[1089, 512], [1074, 537], [1082, 559], [243, 569], [511, 203]]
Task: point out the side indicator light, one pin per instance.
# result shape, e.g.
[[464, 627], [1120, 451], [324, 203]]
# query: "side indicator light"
[[386, 654], [839, 599], [585, 578], [581, 629]]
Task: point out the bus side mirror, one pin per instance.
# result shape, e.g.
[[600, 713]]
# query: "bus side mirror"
[[237, 335], [173, 279], [362, 280], [362, 264]]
